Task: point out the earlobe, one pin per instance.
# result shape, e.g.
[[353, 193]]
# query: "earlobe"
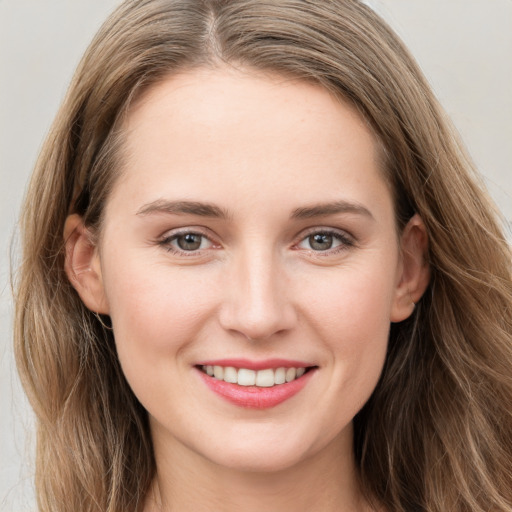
[[82, 265], [414, 272]]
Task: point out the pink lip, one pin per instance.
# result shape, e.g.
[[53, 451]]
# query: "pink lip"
[[253, 397], [256, 365]]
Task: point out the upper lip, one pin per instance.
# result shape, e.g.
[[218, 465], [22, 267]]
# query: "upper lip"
[[256, 365]]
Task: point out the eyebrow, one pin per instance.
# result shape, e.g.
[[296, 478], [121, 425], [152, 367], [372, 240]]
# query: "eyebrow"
[[320, 210], [183, 208], [210, 210]]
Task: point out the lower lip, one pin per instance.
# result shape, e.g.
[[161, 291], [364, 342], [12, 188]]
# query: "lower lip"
[[253, 397]]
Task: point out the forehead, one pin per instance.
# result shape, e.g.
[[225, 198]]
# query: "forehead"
[[209, 129], [231, 96]]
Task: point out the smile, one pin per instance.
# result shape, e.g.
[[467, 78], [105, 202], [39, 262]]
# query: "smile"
[[265, 385], [265, 378]]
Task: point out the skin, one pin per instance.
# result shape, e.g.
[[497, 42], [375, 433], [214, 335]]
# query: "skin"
[[259, 149]]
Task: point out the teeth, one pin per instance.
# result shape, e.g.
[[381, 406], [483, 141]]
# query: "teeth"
[[291, 373], [280, 376], [218, 372], [265, 378], [246, 377], [261, 378], [230, 375]]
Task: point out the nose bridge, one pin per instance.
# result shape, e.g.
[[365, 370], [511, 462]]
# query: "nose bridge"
[[257, 302]]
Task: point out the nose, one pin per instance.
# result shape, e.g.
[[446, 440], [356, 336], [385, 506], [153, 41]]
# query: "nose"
[[256, 298]]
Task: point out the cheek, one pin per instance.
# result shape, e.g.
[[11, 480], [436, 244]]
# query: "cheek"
[[156, 311], [350, 303], [350, 312]]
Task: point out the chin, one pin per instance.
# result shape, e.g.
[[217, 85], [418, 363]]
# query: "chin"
[[261, 461], [265, 453]]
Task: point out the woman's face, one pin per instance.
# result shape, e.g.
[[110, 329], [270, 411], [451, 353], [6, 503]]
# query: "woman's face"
[[251, 230]]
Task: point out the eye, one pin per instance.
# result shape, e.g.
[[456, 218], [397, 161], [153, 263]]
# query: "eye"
[[321, 241], [186, 241], [325, 240], [190, 241]]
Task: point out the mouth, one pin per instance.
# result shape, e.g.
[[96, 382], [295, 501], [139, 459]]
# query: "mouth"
[[265, 378], [261, 387]]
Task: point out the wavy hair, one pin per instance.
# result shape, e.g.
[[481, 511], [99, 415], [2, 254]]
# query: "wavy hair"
[[436, 435]]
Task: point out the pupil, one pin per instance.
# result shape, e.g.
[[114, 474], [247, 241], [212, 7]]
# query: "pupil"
[[320, 241], [189, 242]]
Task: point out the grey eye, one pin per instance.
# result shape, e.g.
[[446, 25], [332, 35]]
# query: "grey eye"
[[189, 241], [321, 241], [325, 241]]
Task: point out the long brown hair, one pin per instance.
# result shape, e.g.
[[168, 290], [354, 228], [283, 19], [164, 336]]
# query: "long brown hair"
[[436, 434]]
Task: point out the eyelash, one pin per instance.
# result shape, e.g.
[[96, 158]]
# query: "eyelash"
[[166, 242], [346, 242]]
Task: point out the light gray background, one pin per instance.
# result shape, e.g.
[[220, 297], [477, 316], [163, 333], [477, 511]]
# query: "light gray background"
[[463, 46]]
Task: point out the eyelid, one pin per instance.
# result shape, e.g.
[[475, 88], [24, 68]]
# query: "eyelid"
[[171, 235], [347, 240]]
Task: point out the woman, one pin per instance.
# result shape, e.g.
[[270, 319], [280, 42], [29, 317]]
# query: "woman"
[[265, 275]]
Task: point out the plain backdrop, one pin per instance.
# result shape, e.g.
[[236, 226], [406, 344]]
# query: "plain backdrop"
[[463, 46]]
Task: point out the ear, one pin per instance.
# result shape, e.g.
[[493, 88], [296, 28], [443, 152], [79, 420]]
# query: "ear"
[[82, 265], [413, 271]]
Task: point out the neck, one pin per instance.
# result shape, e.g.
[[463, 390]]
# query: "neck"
[[325, 482]]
